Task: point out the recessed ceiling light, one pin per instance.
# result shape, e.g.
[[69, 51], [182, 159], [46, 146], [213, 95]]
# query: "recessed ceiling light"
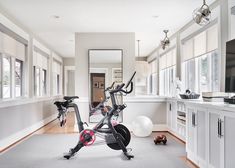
[[155, 16], [55, 16]]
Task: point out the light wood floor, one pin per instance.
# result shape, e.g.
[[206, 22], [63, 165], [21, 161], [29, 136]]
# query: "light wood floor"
[[54, 128]]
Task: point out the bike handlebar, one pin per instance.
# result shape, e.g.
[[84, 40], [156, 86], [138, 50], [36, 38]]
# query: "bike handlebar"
[[119, 87], [110, 87]]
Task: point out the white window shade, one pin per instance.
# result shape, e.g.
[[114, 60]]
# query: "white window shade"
[[153, 66], [40, 60], [20, 51], [173, 57], [56, 67], [44, 62], [212, 38], [162, 62], [10, 46], [168, 59], [200, 44], [1, 42], [187, 50]]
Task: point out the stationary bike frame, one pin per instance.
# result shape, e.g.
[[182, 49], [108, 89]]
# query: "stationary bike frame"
[[116, 109]]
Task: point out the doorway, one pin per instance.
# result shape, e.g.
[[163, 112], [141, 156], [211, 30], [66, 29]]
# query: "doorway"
[[97, 88]]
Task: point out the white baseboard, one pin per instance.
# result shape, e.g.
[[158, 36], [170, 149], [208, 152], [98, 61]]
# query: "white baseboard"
[[4, 143]]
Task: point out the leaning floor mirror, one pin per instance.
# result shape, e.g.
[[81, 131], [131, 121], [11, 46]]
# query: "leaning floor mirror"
[[105, 68]]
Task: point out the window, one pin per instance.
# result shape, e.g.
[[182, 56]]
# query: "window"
[[200, 69], [6, 77], [18, 77], [153, 87], [36, 81], [202, 73], [57, 84], [12, 58], [167, 73], [57, 70], [44, 82], [40, 62], [167, 78]]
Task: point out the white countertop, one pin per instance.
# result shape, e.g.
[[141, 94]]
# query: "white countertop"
[[212, 105]]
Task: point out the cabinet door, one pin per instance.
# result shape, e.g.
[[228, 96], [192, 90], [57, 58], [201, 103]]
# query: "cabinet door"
[[174, 116], [214, 140], [191, 134], [201, 119], [169, 107], [229, 139]]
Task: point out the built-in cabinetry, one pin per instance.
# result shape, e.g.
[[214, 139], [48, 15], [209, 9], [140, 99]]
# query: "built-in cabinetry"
[[210, 138], [208, 130], [176, 118]]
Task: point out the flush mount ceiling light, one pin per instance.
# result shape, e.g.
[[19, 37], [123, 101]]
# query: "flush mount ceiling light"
[[165, 42], [202, 15], [55, 16]]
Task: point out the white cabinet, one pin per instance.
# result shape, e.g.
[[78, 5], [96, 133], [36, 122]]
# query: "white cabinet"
[[214, 139], [191, 135], [202, 136], [171, 115], [197, 135], [176, 118], [228, 135], [210, 139]]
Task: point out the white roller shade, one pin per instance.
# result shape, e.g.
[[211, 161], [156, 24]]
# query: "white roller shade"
[[163, 62], [187, 50], [168, 59], [20, 51], [40, 60], [10, 46], [212, 38], [154, 66], [44, 62], [56, 67], [200, 44], [173, 57], [1, 42]]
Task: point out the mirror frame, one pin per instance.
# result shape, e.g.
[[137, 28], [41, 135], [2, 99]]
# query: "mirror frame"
[[89, 88]]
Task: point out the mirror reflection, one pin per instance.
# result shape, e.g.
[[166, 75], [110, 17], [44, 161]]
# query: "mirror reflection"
[[105, 69]]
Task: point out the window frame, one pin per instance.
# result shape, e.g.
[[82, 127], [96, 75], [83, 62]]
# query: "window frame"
[[2, 73], [197, 73], [21, 77], [36, 87]]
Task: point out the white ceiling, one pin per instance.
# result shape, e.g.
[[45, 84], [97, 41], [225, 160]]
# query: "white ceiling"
[[100, 16], [105, 56]]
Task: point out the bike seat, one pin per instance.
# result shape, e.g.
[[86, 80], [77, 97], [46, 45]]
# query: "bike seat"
[[70, 97]]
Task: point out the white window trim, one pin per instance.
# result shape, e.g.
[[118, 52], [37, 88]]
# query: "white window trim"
[[66, 69]]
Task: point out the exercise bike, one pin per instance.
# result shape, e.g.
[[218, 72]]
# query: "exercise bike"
[[116, 136]]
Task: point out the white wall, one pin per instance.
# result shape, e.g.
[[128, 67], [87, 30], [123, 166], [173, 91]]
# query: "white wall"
[[86, 41], [148, 106], [20, 117]]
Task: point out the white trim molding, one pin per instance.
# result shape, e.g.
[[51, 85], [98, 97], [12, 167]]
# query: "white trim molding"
[[66, 69]]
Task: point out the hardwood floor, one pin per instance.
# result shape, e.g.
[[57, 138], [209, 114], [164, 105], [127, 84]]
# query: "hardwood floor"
[[54, 128]]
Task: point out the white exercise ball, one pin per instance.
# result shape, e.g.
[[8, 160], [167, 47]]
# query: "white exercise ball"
[[142, 126]]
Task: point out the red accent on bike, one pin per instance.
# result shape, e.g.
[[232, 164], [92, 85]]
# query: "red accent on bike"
[[87, 132]]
